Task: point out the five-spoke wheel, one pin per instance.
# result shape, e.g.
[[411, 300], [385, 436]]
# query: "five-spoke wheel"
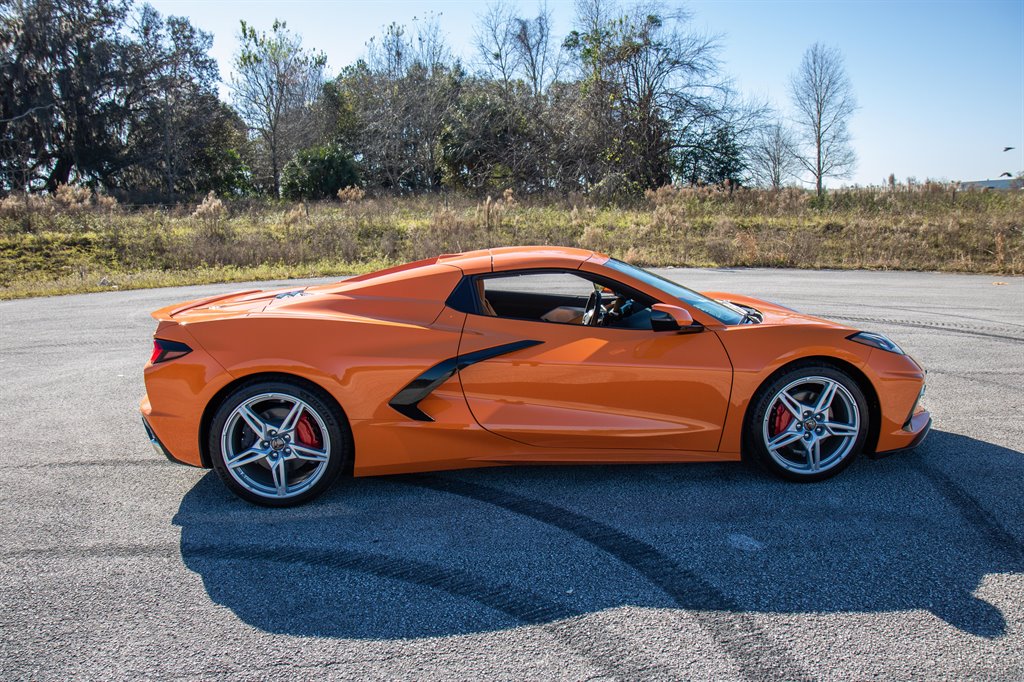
[[277, 443], [809, 424]]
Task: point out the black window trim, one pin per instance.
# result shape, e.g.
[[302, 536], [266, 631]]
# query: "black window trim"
[[465, 300]]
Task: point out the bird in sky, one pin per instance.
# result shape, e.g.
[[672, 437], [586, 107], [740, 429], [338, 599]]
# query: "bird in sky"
[[1008, 149], [1005, 175]]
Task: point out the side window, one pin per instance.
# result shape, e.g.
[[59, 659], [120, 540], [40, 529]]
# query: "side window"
[[560, 283], [561, 298]]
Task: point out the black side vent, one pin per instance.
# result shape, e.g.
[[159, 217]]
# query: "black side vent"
[[407, 400]]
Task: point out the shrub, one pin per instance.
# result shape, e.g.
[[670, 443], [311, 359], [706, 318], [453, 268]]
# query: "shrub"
[[73, 197], [23, 205], [318, 173], [296, 216], [351, 194], [212, 209]]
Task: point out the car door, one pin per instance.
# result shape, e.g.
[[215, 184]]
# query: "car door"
[[579, 386]]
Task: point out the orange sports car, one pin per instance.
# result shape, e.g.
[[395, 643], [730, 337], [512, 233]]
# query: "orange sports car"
[[532, 354]]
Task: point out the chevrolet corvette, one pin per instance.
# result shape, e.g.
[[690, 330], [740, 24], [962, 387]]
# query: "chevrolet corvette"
[[514, 355]]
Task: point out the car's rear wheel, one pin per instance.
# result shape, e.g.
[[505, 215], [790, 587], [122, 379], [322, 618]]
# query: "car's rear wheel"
[[277, 443], [809, 424]]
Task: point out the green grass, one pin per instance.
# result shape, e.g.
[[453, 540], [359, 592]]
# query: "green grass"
[[47, 248], [93, 281]]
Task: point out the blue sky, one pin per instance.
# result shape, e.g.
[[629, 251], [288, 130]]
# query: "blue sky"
[[940, 84]]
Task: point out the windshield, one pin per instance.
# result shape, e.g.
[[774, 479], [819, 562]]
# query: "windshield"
[[722, 313]]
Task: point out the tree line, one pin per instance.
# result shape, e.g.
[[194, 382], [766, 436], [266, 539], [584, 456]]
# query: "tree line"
[[112, 95]]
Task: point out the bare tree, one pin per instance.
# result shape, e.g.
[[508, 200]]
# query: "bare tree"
[[405, 93], [650, 80], [537, 60], [496, 43], [391, 54], [512, 137], [772, 155], [275, 84], [431, 48], [510, 47], [824, 100]]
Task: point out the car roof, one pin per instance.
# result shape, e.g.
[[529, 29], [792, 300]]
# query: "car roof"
[[470, 263], [516, 258]]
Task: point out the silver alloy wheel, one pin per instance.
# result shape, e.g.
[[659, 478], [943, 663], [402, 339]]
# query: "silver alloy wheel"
[[811, 425], [275, 445]]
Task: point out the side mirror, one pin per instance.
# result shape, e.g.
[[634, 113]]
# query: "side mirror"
[[672, 318]]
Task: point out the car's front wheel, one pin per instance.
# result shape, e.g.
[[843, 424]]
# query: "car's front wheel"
[[277, 443], [808, 424]]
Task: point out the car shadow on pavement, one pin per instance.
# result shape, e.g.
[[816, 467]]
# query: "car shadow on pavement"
[[485, 549]]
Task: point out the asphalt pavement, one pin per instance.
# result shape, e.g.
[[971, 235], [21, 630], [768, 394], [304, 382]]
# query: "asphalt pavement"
[[115, 563]]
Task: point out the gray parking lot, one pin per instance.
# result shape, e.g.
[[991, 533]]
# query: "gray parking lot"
[[115, 563]]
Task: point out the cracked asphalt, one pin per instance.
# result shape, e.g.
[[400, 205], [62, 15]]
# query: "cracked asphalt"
[[115, 563]]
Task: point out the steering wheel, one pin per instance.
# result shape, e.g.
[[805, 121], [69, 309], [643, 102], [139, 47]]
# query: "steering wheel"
[[594, 313]]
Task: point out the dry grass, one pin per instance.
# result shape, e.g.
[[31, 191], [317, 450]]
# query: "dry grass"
[[75, 242]]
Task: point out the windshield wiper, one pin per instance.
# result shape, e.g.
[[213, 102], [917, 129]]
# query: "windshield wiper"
[[752, 315]]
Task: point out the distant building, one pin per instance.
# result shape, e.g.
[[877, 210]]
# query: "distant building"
[[1001, 185]]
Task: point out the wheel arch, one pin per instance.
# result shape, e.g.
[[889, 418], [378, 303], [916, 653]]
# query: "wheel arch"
[[230, 387], [854, 372]]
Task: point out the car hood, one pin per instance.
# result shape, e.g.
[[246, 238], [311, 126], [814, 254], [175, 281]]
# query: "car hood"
[[774, 313]]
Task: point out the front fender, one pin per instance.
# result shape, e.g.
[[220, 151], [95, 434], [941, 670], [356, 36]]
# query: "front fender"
[[757, 352]]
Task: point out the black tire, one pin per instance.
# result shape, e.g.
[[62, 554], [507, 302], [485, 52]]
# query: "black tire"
[[849, 418], [319, 421]]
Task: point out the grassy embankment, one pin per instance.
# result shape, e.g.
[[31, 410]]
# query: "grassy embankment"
[[73, 244]]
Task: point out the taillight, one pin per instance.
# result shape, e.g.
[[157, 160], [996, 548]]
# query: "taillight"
[[164, 350]]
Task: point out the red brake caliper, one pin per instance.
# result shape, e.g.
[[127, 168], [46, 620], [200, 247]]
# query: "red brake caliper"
[[781, 417], [306, 433]]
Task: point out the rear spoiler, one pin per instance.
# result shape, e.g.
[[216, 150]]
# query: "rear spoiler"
[[167, 313]]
